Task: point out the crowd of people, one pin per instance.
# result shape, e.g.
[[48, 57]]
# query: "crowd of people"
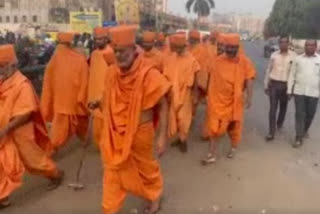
[[137, 96]]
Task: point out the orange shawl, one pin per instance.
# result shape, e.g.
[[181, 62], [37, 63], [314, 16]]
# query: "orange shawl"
[[65, 84], [180, 71], [17, 97], [98, 69], [227, 83], [126, 96]]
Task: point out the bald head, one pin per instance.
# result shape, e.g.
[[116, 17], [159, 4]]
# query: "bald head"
[[311, 47]]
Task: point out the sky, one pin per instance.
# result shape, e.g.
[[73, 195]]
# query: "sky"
[[256, 7]]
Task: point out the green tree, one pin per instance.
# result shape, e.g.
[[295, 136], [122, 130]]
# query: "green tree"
[[312, 17], [200, 7], [298, 18]]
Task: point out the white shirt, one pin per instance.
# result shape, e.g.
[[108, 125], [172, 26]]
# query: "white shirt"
[[304, 78], [279, 67]]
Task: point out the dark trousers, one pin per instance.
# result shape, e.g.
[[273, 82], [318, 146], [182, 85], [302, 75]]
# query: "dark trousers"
[[278, 101], [306, 108]]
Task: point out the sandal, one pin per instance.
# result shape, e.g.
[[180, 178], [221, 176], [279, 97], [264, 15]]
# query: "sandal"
[[297, 144], [148, 211], [269, 138], [183, 147], [231, 153], [56, 182], [210, 159], [5, 203], [176, 143]]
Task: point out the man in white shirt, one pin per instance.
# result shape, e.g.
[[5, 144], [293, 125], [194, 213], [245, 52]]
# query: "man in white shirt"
[[304, 84], [275, 85]]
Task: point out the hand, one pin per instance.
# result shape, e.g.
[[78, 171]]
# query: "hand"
[[161, 146], [267, 91], [248, 103], [94, 105], [289, 96], [4, 132]]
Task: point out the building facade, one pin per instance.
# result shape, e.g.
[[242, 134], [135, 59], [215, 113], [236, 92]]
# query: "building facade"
[[43, 12], [24, 11], [162, 5], [249, 24], [38, 12]]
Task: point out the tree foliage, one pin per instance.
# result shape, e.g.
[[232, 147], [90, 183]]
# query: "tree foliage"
[[200, 7], [298, 18]]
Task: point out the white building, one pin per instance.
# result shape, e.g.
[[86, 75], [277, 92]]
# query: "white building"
[[162, 5], [24, 11], [39, 12]]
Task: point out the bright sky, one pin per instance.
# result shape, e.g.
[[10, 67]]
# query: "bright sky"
[[257, 7]]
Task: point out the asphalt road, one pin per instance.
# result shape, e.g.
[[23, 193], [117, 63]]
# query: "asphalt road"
[[263, 178]]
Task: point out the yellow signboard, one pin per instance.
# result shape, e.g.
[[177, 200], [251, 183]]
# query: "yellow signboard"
[[127, 11], [53, 35], [85, 22]]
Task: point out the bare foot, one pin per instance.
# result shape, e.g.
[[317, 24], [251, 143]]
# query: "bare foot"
[[56, 182], [153, 207]]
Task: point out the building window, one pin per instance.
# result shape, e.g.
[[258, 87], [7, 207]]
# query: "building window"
[[34, 18], [1, 3], [24, 18], [15, 19], [8, 19]]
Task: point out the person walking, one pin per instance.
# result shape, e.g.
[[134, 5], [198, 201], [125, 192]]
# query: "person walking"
[[304, 85], [275, 85]]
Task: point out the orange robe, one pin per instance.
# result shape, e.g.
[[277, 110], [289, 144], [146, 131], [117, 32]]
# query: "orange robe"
[[98, 69], [64, 95], [211, 53], [127, 144], [200, 53], [226, 97], [156, 57], [181, 72], [27, 147]]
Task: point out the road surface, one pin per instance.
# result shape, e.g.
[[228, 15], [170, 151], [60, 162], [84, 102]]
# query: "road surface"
[[263, 178]]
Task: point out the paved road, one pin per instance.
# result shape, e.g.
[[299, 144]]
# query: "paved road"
[[263, 178]]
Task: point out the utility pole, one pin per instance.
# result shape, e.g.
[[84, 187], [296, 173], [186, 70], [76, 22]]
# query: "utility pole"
[[157, 14]]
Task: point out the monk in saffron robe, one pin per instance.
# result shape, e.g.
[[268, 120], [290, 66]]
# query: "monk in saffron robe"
[[210, 65], [24, 142], [64, 95], [200, 54], [205, 39], [133, 89], [212, 46], [150, 52], [162, 44], [231, 80], [181, 69], [98, 69]]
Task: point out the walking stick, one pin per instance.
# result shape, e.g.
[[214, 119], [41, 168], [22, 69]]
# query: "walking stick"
[[78, 185]]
